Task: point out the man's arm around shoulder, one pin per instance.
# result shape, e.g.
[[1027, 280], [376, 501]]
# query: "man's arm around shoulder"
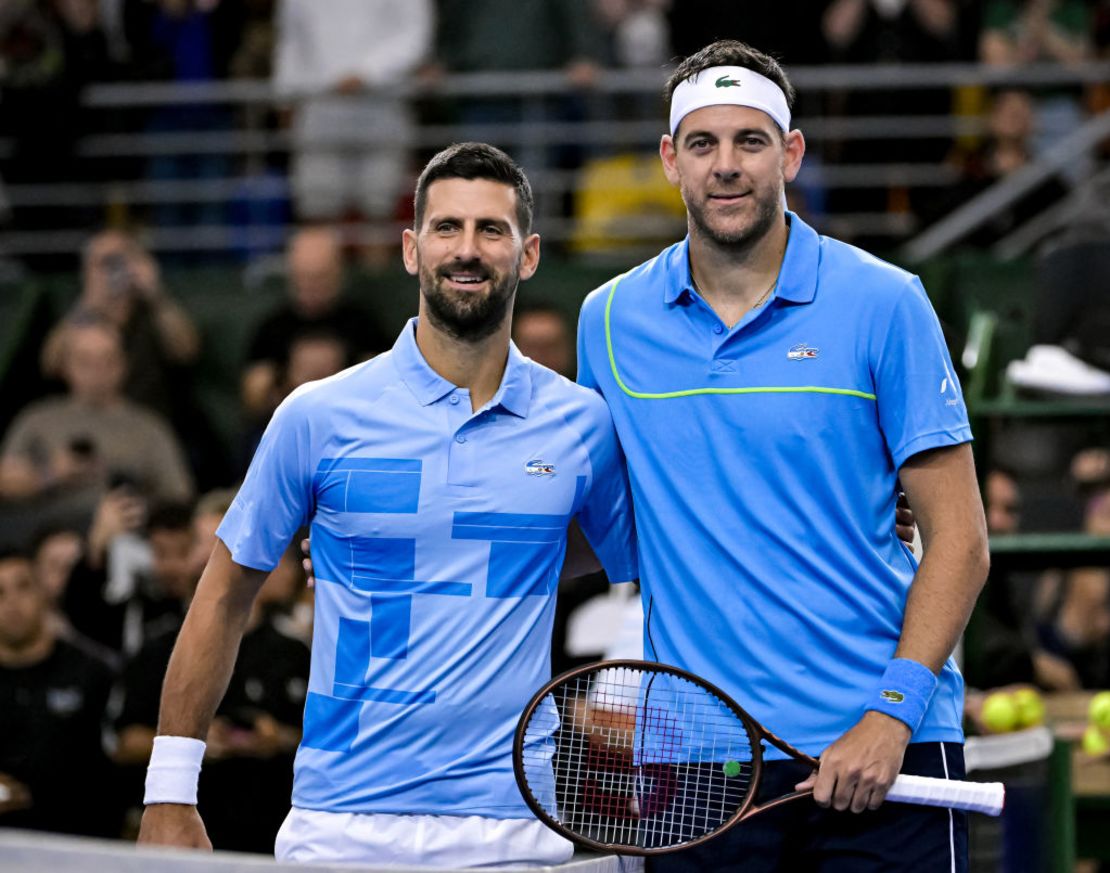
[[196, 680]]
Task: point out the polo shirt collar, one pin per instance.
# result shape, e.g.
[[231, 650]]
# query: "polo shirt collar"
[[797, 278], [798, 275], [514, 394]]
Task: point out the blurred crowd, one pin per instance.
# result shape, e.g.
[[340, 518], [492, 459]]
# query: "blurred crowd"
[[351, 140], [111, 486]]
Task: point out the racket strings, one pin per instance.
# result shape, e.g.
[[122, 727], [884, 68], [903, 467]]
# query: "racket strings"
[[629, 757]]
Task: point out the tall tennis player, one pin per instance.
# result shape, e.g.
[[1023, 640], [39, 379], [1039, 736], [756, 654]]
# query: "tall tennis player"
[[771, 387]]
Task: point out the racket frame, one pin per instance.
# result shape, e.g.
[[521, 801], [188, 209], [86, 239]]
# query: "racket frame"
[[756, 735]]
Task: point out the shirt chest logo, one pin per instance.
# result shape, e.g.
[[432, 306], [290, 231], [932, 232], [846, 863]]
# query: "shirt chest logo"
[[64, 701], [802, 352], [539, 468]]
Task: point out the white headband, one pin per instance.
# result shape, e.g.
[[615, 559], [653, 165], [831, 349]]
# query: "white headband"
[[737, 86]]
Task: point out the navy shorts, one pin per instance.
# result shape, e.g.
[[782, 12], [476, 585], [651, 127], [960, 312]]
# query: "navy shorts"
[[801, 837]]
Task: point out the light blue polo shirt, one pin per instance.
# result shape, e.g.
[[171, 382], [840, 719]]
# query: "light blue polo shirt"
[[437, 539], [764, 462]]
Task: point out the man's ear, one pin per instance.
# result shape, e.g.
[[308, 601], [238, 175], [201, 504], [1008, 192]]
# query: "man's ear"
[[795, 146], [530, 259], [669, 156], [408, 251]]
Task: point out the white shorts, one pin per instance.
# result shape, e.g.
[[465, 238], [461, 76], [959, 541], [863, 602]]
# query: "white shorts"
[[312, 836]]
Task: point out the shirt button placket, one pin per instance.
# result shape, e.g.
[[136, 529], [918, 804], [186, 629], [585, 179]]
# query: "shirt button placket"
[[460, 461]]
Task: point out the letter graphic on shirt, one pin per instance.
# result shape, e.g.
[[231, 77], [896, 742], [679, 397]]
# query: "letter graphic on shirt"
[[524, 554], [524, 558]]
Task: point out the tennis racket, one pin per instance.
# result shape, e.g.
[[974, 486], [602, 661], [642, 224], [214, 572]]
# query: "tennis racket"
[[641, 758]]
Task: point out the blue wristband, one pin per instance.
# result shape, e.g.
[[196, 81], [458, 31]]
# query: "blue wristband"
[[904, 692]]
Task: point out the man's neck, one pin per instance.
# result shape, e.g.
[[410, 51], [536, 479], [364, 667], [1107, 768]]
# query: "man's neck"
[[734, 280], [33, 652], [477, 366]]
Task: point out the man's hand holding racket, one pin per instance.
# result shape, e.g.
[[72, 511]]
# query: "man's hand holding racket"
[[858, 769]]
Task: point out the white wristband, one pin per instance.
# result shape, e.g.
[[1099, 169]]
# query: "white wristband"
[[174, 770]]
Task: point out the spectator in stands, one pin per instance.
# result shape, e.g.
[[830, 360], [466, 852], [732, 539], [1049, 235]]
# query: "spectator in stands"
[[890, 32], [1007, 649], [507, 36], [1017, 32], [1073, 607], [340, 63], [185, 41], [315, 354], [1008, 148], [121, 282], [542, 332], [53, 697], [54, 552], [637, 31], [248, 772], [94, 434], [316, 304], [122, 597], [542, 35]]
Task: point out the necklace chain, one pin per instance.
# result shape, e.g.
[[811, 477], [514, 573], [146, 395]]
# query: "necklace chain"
[[765, 295], [762, 297]]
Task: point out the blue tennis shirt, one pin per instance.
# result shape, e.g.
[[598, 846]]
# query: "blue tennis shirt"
[[764, 462], [437, 538]]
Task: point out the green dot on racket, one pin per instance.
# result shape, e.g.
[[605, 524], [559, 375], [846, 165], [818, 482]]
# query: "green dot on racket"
[[731, 768]]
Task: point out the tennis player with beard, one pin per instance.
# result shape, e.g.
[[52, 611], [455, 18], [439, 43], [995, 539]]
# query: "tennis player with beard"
[[438, 480]]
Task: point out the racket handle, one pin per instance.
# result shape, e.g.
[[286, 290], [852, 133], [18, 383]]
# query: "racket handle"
[[985, 797]]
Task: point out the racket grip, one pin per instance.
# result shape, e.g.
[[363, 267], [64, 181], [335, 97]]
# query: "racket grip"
[[985, 797]]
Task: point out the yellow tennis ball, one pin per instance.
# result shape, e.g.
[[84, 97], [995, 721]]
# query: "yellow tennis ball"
[[1000, 713], [1095, 741], [1030, 707], [1099, 711]]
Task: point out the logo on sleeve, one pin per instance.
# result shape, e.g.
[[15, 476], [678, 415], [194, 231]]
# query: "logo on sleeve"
[[802, 352], [949, 384], [539, 468]]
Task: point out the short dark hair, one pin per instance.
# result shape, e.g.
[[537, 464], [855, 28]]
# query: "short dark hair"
[[476, 160], [729, 53]]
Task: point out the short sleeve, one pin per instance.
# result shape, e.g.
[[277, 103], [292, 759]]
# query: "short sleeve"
[[921, 405], [606, 512], [275, 499]]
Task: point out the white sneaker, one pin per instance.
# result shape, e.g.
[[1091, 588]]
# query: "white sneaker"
[[1052, 368]]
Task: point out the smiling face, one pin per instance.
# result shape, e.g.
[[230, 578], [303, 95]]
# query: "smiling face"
[[731, 164], [470, 254]]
